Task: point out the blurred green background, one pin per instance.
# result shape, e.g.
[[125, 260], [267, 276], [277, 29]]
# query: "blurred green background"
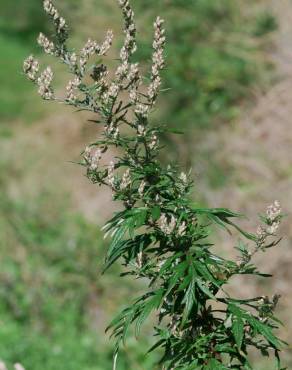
[[54, 304]]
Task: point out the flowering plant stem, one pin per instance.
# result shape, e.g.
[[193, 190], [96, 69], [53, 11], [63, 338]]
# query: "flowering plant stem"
[[159, 235]]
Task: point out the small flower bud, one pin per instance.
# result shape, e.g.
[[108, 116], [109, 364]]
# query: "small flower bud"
[[141, 188], [71, 89], [126, 180], [44, 83], [105, 46], [31, 67]]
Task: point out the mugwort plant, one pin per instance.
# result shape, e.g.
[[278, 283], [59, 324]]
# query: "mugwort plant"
[[160, 236]]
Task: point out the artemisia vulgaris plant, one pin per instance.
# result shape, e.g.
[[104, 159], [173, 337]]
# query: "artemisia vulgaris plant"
[[160, 236]]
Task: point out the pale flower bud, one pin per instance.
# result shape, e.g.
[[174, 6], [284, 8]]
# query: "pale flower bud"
[[110, 175], [126, 180], [154, 142], [142, 109], [112, 131], [71, 89], [273, 215], [62, 24], [59, 22], [92, 158], [183, 177], [182, 229], [44, 83], [165, 226], [105, 46], [31, 67], [141, 188], [113, 90], [87, 51], [18, 366], [129, 46], [157, 60], [274, 211], [141, 130], [73, 59], [122, 70], [48, 7], [133, 96], [46, 44], [2, 366]]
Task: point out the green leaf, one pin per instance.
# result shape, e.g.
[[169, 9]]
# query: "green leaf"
[[204, 272], [225, 348], [178, 273], [238, 330], [167, 264], [214, 364], [259, 327], [219, 212], [218, 221], [189, 299], [174, 131], [153, 303], [265, 331], [140, 218], [244, 233], [185, 283], [205, 289], [116, 253], [222, 216], [119, 321], [155, 213], [156, 345]]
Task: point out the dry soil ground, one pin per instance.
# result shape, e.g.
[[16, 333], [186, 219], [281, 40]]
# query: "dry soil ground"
[[258, 152]]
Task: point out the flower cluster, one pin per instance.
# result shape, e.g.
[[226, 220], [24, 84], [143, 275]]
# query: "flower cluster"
[[44, 82], [142, 110], [73, 60], [134, 75], [182, 229], [71, 89], [92, 158], [272, 223], [267, 306], [157, 60], [59, 21], [273, 215], [129, 46], [106, 45], [142, 188], [174, 327], [112, 131], [134, 81], [111, 176], [46, 44], [153, 141], [31, 68], [183, 177], [122, 71], [127, 75], [17, 366], [89, 49], [140, 260], [111, 93], [167, 227], [126, 180]]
